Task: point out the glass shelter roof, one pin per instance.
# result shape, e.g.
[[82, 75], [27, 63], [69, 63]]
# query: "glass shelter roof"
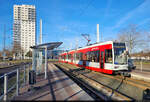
[[50, 46]]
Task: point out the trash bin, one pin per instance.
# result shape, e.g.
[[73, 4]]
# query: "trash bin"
[[32, 77]]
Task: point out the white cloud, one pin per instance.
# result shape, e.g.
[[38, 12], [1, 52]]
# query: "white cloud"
[[137, 11], [144, 22]]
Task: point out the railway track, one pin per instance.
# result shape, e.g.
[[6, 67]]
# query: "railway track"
[[9, 69], [94, 78], [90, 90], [139, 83], [12, 67], [110, 94]]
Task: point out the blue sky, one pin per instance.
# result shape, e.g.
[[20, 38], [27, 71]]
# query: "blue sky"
[[66, 20]]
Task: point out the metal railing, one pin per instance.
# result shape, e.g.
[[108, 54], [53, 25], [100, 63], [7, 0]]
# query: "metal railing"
[[13, 76]]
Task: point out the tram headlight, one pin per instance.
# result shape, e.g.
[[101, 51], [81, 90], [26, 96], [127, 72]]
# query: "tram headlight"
[[116, 67]]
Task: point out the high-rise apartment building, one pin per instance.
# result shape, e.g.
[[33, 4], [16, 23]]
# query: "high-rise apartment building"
[[24, 27]]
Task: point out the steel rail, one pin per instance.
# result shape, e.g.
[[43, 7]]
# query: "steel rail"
[[126, 81], [137, 81], [139, 85], [110, 89], [125, 97], [97, 95]]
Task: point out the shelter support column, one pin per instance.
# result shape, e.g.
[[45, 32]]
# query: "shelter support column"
[[34, 59], [40, 61]]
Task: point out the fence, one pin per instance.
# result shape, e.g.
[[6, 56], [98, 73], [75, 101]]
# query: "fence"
[[142, 65], [12, 81]]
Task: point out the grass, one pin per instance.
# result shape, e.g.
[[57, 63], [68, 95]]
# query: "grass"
[[15, 62], [143, 62]]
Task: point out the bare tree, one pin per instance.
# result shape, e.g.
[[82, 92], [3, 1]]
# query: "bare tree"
[[17, 50], [132, 36], [29, 53], [1, 54], [8, 52]]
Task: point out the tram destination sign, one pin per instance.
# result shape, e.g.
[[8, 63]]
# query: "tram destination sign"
[[119, 45]]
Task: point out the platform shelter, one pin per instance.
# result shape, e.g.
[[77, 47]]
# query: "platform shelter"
[[39, 56]]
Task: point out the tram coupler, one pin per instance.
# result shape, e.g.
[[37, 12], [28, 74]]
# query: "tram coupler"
[[125, 74]]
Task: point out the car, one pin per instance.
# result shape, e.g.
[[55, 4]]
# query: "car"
[[10, 58], [130, 64]]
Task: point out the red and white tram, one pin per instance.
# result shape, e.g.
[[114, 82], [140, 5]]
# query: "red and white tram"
[[107, 57]]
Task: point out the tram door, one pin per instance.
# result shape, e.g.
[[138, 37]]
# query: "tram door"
[[84, 59], [102, 59], [71, 58]]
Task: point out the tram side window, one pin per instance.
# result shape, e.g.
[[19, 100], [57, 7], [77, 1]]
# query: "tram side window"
[[108, 56], [74, 56], [93, 56], [69, 56], [88, 56], [80, 56], [77, 56], [97, 55], [63, 57]]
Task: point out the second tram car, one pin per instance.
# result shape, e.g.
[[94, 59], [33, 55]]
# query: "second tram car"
[[107, 57]]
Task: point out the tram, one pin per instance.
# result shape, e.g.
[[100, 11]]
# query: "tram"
[[107, 57]]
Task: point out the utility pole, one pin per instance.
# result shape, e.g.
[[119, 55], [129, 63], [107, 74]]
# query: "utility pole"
[[4, 43], [40, 52], [101, 37], [40, 31], [97, 33]]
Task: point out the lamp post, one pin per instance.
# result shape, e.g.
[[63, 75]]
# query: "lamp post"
[[141, 65], [4, 41]]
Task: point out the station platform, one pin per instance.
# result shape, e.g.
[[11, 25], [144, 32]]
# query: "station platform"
[[141, 75], [57, 86]]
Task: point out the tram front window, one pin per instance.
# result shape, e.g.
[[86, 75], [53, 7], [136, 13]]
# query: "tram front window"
[[120, 56]]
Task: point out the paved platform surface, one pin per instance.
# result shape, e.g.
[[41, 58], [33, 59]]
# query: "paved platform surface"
[[58, 86], [141, 75]]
